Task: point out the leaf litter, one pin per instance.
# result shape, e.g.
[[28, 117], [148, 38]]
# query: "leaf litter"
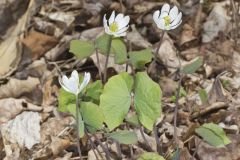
[[34, 128]]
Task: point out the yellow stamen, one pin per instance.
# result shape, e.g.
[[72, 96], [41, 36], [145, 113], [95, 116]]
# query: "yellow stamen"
[[167, 21], [113, 27]]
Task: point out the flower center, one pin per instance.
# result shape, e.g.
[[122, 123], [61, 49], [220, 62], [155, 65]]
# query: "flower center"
[[113, 27], [167, 21]]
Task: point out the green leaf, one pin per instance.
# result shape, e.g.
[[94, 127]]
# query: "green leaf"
[[115, 101], [147, 100], [120, 51], [102, 43], [124, 137], [193, 66], [64, 99], [72, 109], [81, 49], [203, 95], [150, 156], [128, 79], [213, 134], [140, 58], [93, 91], [133, 120], [92, 115]]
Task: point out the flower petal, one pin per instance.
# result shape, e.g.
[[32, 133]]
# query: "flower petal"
[[105, 21], [177, 21], [156, 16], [86, 80], [111, 19], [124, 29], [161, 24], [121, 34], [62, 84], [75, 75], [119, 17], [123, 22], [173, 13], [107, 30], [165, 8]]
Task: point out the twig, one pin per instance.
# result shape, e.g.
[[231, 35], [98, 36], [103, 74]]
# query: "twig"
[[213, 107], [106, 63], [77, 119]]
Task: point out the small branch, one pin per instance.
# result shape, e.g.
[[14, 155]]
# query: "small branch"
[[212, 107], [77, 120], [106, 63]]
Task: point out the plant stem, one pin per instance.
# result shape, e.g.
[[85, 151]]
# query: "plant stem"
[[119, 152], [93, 146], [158, 47], [153, 65], [99, 67], [77, 120], [106, 63], [144, 138], [103, 147], [178, 73], [159, 150]]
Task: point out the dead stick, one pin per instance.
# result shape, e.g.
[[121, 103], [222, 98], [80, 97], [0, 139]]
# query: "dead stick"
[[213, 107]]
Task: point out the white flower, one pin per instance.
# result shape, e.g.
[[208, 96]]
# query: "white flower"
[[72, 84], [116, 26], [168, 19]]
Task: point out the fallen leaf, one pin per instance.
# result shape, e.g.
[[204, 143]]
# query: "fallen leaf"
[[24, 130], [230, 152], [38, 43], [218, 20], [58, 144], [168, 54], [15, 87], [10, 107], [10, 48], [137, 40]]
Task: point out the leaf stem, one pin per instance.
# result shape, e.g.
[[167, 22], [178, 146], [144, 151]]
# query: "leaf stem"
[[119, 152], [99, 67], [103, 147], [107, 59], [144, 138], [93, 146], [77, 120], [159, 149]]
